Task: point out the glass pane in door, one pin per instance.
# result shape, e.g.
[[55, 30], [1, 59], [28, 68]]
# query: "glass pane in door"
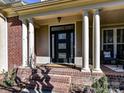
[[62, 55], [62, 36], [62, 46]]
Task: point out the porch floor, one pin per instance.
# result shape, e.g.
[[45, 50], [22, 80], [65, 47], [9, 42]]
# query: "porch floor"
[[69, 69], [107, 71]]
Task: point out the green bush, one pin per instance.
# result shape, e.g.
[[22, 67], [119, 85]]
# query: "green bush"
[[9, 78], [101, 85]]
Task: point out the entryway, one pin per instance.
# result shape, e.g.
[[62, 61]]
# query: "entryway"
[[62, 43]]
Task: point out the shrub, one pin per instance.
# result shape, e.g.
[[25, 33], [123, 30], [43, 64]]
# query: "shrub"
[[101, 85], [9, 78]]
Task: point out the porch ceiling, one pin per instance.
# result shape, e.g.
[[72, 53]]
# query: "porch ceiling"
[[113, 17], [108, 17], [113, 8], [55, 15], [52, 19]]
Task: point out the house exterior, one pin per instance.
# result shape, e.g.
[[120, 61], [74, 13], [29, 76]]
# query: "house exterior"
[[60, 31]]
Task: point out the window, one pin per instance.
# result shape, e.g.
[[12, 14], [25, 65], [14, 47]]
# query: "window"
[[113, 40], [120, 35], [108, 44], [108, 36], [120, 43]]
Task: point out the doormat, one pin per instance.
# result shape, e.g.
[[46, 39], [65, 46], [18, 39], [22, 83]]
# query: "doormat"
[[116, 68]]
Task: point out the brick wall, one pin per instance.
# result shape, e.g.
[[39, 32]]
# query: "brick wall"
[[14, 42]]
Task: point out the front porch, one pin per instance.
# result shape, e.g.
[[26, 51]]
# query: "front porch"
[[38, 47], [48, 38]]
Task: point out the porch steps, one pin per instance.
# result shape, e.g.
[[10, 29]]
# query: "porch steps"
[[43, 80], [61, 78]]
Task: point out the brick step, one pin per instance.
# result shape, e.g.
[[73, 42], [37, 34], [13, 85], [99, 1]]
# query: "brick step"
[[50, 77], [54, 86], [60, 87], [48, 80], [57, 83], [56, 71], [67, 71], [75, 74]]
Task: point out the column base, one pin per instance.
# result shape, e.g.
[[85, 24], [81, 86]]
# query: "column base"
[[95, 70], [24, 66], [85, 70]]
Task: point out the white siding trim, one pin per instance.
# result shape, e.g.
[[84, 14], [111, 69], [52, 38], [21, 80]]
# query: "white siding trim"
[[78, 61], [42, 59]]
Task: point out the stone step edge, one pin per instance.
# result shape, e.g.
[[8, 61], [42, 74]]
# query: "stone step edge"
[[58, 77], [67, 76], [59, 87]]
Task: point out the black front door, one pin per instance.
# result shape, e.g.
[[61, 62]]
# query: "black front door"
[[62, 44]]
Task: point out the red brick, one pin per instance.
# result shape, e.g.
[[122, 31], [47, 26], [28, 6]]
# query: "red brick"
[[14, 42]]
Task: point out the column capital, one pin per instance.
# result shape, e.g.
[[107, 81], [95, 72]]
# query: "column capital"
[[30, 20], [3, 17], [96, 11], [85, 12], [21, 18]]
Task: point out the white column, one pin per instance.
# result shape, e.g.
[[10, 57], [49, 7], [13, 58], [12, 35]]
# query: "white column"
[[96, 42], [24, 43], [31, 43], [3, 44], [85, 43]]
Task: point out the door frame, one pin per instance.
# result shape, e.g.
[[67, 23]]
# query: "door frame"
[[74, 40]]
